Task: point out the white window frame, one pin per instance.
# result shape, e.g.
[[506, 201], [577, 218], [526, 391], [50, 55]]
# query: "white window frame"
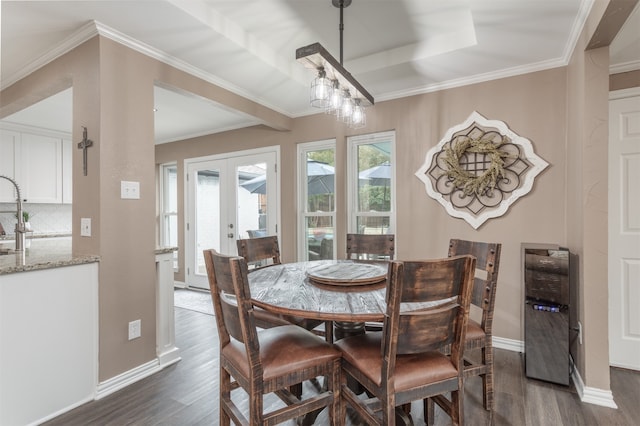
[[303, 149], [165, 215], [353, 142]]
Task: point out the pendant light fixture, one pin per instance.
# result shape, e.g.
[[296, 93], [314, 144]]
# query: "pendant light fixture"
[[334, 89]]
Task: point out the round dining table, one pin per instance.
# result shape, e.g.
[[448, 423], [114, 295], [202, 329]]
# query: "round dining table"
[[328, 290], [345, 292]]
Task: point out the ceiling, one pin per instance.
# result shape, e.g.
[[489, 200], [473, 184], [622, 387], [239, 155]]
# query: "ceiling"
[[394, 48]]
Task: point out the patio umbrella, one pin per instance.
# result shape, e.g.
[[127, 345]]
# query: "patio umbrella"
[[320, 178], [379, 175]]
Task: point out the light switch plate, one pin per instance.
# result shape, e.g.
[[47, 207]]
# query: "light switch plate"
[[85, 227], [129, 190]]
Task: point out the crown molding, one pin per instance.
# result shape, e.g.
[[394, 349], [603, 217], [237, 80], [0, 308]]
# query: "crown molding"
[[624, 67]]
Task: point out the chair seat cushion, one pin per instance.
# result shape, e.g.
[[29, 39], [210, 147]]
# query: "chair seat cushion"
[[283, 349], [364, 353], [474, 331]]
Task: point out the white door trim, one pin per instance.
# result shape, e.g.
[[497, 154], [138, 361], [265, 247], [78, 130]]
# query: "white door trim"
[[624, 334]]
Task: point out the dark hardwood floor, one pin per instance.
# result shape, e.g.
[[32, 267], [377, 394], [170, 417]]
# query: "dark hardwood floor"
[[186, 393]]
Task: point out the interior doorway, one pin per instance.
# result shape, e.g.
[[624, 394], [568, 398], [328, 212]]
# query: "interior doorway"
[[624, 229]]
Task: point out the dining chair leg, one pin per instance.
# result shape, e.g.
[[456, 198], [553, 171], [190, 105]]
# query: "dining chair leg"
[[328, 331], [429, 416], [225, 395], [487, 378]]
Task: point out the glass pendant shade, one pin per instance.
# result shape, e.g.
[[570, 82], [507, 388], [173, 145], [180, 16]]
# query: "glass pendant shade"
[[335, 100], [358, 117], [321, 90], [346, 109]]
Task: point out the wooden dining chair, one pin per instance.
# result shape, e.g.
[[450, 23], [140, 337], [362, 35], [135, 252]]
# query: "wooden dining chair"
[[259, 252], [479, 335], [266, 361], [263, 252], [370, 246], [427, 308]]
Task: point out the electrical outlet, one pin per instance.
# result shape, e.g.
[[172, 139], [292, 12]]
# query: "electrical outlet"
[[579, 332], [135, 329], [85, 227]]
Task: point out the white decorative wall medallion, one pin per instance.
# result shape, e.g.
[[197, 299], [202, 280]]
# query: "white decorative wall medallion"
[[479, 168]]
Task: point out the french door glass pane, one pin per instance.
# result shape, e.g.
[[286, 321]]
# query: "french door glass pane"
[[208, 209], [252, 200]]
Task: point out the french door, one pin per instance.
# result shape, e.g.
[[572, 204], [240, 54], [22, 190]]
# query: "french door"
[[228, 198]]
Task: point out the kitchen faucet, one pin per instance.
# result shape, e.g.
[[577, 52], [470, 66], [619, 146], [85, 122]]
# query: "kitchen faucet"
[[21, 230]]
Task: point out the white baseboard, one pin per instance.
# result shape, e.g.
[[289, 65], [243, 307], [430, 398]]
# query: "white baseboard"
[[508, 344], [591, 395], [179, 284], [125, 379]]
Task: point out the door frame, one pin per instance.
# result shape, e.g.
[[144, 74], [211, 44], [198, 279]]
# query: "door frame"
[[613, 226], [228, 156]]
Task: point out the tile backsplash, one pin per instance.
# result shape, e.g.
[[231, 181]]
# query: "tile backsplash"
[[44, 218]]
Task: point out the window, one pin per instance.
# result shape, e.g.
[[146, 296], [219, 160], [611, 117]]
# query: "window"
[[371, 180], [316, 200], [169, 209]]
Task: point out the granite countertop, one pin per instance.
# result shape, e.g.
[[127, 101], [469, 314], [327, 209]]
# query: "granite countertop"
[[34, 235], [47, 252], [41, 254]]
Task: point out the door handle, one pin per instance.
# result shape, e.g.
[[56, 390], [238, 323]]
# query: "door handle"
[[230, 235]]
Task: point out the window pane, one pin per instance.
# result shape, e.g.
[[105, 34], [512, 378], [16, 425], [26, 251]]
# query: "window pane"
[[171, 189], [373, 224], [320, 180], [319, 232], [374, 177]]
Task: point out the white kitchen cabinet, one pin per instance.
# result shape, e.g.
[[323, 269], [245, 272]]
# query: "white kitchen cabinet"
[[8, 146], [67, 171], [40, 169], [40, 163]]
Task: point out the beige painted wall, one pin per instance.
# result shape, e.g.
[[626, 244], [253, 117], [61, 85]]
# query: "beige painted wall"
[[532, 105], [555, 109], [624, 80]]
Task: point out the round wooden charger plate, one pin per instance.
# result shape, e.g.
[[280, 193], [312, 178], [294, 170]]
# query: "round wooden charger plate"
[[348, 274]]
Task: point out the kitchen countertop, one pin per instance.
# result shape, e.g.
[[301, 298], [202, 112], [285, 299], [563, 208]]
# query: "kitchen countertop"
[[45, 253], [42, 254]]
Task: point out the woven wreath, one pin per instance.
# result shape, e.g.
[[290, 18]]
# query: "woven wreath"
[[468, 182]]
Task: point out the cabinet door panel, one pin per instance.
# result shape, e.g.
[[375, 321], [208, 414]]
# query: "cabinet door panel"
[[8, 145], [67, 171], [41, 168]]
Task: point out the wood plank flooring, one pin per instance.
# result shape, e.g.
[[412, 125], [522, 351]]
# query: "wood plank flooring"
[[186, 393]]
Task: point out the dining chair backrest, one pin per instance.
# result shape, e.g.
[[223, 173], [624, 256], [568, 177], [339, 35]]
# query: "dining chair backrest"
[[231, 297], [427, 309], [480, 334], [370, 246], [486, 277], [288, 356], [427, 306], [259, 252]]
